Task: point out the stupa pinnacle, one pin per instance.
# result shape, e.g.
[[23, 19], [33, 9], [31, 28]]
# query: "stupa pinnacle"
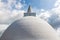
[[29, 12], [29, 9]]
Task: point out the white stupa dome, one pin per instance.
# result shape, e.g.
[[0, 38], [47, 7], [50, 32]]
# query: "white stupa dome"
[[30, 28]]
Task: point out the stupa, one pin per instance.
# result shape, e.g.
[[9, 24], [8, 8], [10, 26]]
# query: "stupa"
[[30, 28]]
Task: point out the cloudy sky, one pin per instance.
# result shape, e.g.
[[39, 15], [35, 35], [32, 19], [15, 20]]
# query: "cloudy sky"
[[11, 10]]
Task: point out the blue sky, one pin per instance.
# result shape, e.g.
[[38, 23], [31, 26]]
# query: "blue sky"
[[48, 10], [41, 4]]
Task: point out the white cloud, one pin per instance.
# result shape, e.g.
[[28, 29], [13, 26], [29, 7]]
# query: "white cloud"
[[45, 15], [56, 8], [2, 5], [57, 3], [10, 4], [7, 13], [18, 6], [6, 16], [17, 13], [42, 10]]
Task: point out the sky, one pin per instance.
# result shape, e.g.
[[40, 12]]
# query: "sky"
[[11, 10]]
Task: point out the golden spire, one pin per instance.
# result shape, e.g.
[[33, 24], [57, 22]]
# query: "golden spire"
[[29, 9]]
